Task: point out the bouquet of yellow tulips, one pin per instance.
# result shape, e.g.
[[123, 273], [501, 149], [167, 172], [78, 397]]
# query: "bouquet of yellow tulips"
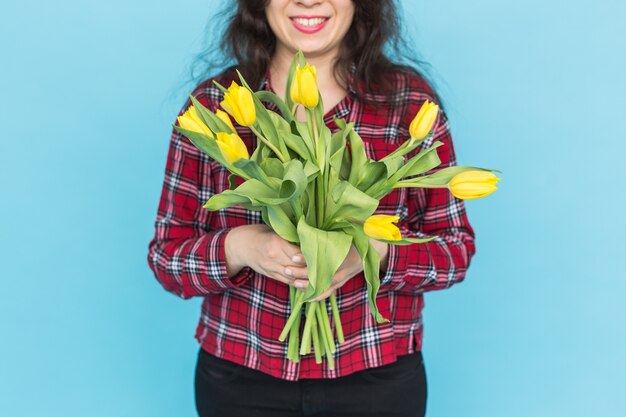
[[315, 192]]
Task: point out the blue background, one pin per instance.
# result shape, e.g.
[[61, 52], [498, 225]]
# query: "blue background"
[[87, 94]]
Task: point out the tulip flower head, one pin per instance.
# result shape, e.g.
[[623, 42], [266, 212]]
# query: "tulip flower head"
[[423, 122], [191, 121], [473, 184], [304, 88], [232, 146], [381, 227], [224, 117], [238, 103]]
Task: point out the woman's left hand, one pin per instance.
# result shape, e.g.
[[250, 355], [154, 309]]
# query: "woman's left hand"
[[350, 267]]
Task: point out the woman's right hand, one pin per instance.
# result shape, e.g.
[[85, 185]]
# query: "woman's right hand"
[[260, 248]]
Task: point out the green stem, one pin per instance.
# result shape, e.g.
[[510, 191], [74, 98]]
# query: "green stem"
[[319, 181], [294, 315], [321, 337], [311, 126], [316, 341], [269, 144], [297, 343], [326, 331], [402, 184], [293, 347], [306, 334], [337, 318], [322, 318]]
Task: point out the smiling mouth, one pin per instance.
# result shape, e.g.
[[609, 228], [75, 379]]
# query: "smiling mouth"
[[309, 22]]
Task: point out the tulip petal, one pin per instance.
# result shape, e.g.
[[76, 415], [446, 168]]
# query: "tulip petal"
[[379, 226], [225, 118], [424, 120], [473, 184]]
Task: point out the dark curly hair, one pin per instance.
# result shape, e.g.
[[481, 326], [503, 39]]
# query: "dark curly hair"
[[248, 42]]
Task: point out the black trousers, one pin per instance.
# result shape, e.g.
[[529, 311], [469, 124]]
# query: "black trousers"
[[227, 389]]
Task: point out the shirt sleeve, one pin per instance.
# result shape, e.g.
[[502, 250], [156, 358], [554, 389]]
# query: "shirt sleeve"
[[444, 261], [187, 257]]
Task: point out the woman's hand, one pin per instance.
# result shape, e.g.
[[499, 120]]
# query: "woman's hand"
[[351, 266], [260, 248]]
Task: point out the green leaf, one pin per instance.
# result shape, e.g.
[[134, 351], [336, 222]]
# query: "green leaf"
[[323, 144], [273, 167], [324, 253], [290, 75], [253, 170], [338, 140], [407, 146], [318, 111], [349, 202], [204, 144], [420, 163], [294, 181], [372, 174], [269, 97], [293, 142], [303, 129], [226, 199], [371, 269], [220, 86], [231, 181], [251, 191], [209, 118], [346, 164], [309, 204], [256, 154], [282, 224], [311, 170], [392, 165], [301, 59], [358, 157]]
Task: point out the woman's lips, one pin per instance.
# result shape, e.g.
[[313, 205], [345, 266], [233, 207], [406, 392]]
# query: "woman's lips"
[[309, 24]]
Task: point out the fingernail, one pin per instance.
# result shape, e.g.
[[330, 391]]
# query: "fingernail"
[[298, 284], [296, 258], [288, 271]]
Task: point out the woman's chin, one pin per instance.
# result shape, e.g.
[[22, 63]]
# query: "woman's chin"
[[311, 47]]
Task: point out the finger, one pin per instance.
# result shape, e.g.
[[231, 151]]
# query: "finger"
[[296, 272], [293, 252], [301, 284], [281, 278]]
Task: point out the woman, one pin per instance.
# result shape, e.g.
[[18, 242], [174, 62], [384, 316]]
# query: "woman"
[[244, 270]]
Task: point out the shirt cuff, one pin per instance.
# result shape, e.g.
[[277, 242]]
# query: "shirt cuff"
[[399, 260], [217, 263]]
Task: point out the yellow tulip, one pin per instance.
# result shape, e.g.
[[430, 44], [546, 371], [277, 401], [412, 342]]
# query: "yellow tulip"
[[191, 121], [473, 184], [225, 118], [304, 88], [238, 103], [379, 226], [232, 146], [423, 122]]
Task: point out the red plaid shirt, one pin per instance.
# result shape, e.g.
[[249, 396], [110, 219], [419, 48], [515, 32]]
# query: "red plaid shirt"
[[242, 316]]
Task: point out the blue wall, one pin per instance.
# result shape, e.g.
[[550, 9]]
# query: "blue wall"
[[534, 88]]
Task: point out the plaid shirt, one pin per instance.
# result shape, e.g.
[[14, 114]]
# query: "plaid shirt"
[[242, 316]]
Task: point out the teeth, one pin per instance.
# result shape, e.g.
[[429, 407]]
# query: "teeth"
[[309, 22]]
